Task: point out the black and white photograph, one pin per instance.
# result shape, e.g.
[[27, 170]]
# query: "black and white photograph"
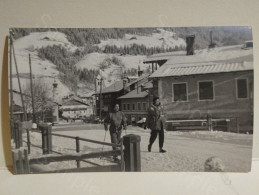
[[165, 99]]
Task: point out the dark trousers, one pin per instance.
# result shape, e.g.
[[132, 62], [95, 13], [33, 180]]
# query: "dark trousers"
[[153, 136], [115, 138]]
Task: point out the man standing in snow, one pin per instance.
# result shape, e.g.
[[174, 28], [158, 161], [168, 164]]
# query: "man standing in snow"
[[117, 120], [154, 122]]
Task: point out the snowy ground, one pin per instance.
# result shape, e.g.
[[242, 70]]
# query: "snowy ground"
[[186, 151]]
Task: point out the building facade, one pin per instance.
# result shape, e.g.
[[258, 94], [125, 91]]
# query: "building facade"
[[135, 105], [75, 108], [196, 91]]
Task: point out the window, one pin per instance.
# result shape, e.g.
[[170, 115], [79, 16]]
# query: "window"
[[242, 91], [128, 106], [144, 106], [133, 106], [206, 90], [124, 107], [139, 106], [179, 92]]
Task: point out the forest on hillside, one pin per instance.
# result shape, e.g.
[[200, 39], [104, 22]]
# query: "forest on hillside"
[[226, 35], [86, 40]]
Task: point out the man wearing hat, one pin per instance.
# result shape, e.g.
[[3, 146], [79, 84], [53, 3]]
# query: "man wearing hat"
[[154, 122]]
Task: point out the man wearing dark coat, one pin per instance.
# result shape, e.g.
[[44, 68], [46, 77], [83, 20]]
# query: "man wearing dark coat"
[[116, 120], [154, 122]]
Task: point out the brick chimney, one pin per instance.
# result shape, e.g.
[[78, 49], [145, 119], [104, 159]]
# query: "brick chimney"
[[140, 72], [211, 45], [190, 45]]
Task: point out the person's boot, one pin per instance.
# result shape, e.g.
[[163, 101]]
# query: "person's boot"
[[161, 150], [149, 147]]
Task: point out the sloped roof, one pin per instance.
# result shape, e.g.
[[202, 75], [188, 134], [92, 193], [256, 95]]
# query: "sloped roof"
[[16, 98], [201, 68], [142, 77], [148, 85], [73, 101], [137, 93], [115, 87], [118, 85], [134, 94], [234, 53], [163, 56]]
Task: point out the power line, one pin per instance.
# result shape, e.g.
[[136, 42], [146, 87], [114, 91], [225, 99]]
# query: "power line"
[[23, 55]]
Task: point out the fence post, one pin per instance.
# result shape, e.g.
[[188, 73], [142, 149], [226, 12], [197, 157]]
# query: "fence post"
[[122, 156], [20, 161], [132, 152], [49, 139], [46, 131], [15, 134], [14, 155], [21, 168], [44, 138], [209, 122], [18, 135], [26, 162], [237, 125], [12, 128], [77, 150], [28, 141]]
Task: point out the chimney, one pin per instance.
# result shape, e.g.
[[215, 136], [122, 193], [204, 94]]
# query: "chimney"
[[190, 45], [124, 83], [211, 45], [140, 72], [142, 88], [211, 37]]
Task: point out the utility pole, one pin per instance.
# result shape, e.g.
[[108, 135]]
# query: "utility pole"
[[32, 95], [19, 82], [101, 86], [11, 76]]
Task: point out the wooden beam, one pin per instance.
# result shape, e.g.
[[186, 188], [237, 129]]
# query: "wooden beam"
[[108, 168], [87, 140], [48, 159]]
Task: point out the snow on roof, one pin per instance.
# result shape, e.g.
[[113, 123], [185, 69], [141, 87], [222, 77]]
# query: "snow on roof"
[[163, 56], [229, 53], [115, 87], [201, 68], [148, 85], [136, 93], [142, 77], [16, 97], [74, 101], [118, 85]]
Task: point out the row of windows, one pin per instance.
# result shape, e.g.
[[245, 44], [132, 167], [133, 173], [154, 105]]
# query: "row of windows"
[[140, 106], [206, 90], [70, 112]]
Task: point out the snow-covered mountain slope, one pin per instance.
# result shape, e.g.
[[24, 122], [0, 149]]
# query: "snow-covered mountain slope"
[[113, 72], [40, 68], [93, 60], [162, 39]]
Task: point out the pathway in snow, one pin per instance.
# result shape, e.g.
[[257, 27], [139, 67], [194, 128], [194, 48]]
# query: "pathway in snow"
[[185, 151]]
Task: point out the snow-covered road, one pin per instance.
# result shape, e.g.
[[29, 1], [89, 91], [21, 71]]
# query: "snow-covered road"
[[185, 151]]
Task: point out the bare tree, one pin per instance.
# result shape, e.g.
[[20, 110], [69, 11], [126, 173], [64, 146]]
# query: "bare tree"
[[42, 97]]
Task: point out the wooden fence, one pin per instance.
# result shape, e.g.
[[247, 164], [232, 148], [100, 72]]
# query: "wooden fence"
[[128, 149]]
